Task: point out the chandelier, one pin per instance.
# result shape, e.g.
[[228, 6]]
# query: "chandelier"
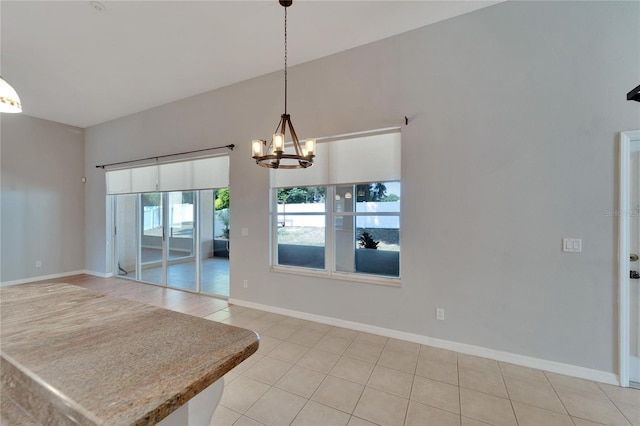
[[273, 155], [9, 100]]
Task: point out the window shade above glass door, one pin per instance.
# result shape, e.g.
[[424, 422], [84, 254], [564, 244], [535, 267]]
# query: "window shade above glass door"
[[203, 173]]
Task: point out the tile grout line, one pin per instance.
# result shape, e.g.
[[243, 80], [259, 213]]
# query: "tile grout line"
[[558, 396], [415, 368], [535, 406], [327, 375], [614, 403], [513, 409], [299, 411], [270, 388], [459, 387], [413, 381]]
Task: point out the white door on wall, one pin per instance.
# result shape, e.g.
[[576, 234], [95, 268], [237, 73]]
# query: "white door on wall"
[[634, 250], [628, 214]]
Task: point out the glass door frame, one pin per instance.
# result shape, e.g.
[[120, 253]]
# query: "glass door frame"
[[114, 238], [139, 225], [140, 234], [167, 236], [626, 142]]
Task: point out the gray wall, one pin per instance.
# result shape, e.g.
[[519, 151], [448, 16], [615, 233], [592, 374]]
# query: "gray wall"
[[42, 200], [511, 146]]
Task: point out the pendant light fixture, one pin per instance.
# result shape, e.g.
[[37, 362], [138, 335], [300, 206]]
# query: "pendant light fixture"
[[273, 155], [634, 95], [9, 99]]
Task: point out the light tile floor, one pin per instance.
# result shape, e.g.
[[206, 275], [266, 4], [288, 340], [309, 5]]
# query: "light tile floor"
[[306, 374]]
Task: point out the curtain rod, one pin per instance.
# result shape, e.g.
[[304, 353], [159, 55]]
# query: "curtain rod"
[[102, 166]]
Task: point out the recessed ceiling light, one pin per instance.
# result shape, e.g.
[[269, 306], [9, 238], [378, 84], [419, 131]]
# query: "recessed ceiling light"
[[97, 6]]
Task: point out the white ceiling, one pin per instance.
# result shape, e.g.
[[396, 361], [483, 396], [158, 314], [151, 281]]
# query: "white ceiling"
[[76, 65]]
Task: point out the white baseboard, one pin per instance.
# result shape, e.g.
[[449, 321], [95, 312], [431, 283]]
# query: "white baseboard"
[[98, 274], [42, 278], [522, 360]]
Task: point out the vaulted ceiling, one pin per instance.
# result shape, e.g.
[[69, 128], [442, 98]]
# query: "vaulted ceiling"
[[82, 63]]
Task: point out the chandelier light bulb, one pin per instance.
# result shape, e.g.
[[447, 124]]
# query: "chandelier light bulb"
[[310, 147], [256, 147], [278, 142]]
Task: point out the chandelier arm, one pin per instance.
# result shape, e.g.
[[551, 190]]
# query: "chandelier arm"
[[283, 124], [267, 147], [294, 136], [280, 126]]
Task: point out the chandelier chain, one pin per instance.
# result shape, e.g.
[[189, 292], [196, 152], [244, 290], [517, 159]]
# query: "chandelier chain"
[[285, 60]]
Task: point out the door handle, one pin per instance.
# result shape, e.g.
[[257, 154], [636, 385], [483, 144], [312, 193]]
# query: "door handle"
[[634, 275]]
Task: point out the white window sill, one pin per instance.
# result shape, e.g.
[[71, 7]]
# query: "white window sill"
[[342, 276]]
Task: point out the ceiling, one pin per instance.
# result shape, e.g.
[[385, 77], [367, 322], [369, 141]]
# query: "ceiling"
[[73, 63]]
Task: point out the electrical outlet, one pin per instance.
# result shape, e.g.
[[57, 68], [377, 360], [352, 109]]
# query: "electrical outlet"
[[572, 244], [440, 314], [245, 283], [38, 263]]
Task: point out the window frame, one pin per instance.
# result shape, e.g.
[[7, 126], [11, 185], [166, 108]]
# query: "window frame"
[[274, 229], [330, 214]]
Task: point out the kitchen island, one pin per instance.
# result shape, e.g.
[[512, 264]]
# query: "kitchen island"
[[75, 356]]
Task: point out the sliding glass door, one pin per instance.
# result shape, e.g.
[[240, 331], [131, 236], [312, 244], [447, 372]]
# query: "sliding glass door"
[[152, 238], [126, 248], [177, 239], [214, 240], [181, 250]]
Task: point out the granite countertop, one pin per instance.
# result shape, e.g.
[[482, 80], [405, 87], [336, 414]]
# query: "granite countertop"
[[71, 354]]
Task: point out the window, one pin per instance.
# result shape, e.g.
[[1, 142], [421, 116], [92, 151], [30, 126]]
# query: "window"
[[301, 226], [344, 230], [367, 237], [341, 217]]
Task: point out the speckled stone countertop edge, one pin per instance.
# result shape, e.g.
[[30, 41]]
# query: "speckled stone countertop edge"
[[66, 408], [82, 416], [183, 397]]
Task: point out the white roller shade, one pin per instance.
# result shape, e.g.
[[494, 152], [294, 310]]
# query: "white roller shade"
[[318, 174], [205, 173], [367, 159], [118, 181], [144, 179], [372, 158], [127, 181]]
